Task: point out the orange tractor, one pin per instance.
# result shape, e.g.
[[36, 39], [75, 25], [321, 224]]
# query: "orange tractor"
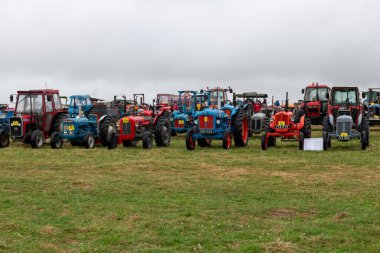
[[282, 125]]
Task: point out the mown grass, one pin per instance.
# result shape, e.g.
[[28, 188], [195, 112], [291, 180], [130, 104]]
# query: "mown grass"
[[207, 200]]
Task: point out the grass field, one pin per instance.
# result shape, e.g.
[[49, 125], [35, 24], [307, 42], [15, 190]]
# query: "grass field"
[[207, 200]]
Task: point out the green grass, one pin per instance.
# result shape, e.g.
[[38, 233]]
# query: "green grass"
[[207, 200]]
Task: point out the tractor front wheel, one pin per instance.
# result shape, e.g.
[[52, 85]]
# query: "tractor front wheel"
[[112, 140], [4, 139], [162, 132], [301, 141], [325, 140], [147, 140], [106, 126], [204, 142], [227, 139], [89, 140], [363, 140], [37, 139], [56, 141], [190, 141], [264, 143]]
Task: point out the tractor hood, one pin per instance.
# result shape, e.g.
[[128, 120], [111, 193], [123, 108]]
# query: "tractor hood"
[[212, 112]]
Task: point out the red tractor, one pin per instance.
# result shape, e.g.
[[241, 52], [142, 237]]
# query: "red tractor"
[[281, 125], [167, 100], [145, 125], [38, 113], [314, 104]]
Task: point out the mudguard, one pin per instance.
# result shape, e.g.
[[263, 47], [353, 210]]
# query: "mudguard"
[[331, 119], [360, 118]]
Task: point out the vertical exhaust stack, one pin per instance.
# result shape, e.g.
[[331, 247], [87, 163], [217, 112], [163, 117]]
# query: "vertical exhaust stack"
[[286, 103]]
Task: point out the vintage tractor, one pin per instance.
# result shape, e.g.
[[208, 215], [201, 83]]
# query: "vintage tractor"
[[346, 119], [314, 104], [38, 113], [5, 115], [188, 103], [143, 124], [282, 125], [166, 100], [372, 105], [86, 130], [220, 121], [257, 111]]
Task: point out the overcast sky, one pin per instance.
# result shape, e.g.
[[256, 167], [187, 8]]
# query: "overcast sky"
[[106, 48]]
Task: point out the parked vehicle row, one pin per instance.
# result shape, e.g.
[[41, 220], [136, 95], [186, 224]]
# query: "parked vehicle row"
[[202, 116]]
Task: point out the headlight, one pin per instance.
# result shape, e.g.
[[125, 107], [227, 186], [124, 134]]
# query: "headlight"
[[196, 121], [171, 119], [137, 124], [218, 121]]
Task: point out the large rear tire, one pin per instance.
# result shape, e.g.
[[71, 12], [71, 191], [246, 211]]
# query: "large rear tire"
[[264, 143], [365, 127], [4, 139], [363, 140], [112, 142], [162, 131], [106, 127], [240, 128], [57, 123], [37, 139], [301, 141], [307, 128]]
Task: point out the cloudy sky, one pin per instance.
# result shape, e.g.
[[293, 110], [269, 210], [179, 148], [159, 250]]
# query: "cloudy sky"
[[106, 48]]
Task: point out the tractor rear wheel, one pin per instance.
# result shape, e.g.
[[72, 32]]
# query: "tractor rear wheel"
[[301, 141], [363, 140], [106, 126], [190, 141], [89, 140], [4, 139], [37, 139], [227, 139], [264, 143], [249, 112], [57, 122], [129, 144], [240, 128], [56, 141], [298, 116], [147, 140], [204, 142], [162, 132], [365, 127], [112, 142]]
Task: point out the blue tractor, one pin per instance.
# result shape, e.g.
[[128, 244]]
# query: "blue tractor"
[[372, 105], [5, 115], [84, 129], [188, 103], [219, 121]]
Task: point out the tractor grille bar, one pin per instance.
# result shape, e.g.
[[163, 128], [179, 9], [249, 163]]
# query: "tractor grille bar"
[[206, 122], [343, 127], [126, 128], [16, 126], [257, 124]]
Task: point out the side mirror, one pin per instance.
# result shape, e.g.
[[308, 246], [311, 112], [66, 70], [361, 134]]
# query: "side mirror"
[[11, 98], [49, 98], [303, 91], [327, 95], [230, 90], [363, 95]]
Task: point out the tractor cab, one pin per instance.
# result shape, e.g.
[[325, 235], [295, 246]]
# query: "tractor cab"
[[372, 105], [166, 100], [344, 101], [188, 103], [79, 104], [37, 114], [314, 104], [217, 98]]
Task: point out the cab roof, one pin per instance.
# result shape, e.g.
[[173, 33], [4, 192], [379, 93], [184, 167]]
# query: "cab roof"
[[42, 91]]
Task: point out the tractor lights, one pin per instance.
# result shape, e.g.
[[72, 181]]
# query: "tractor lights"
[[195, 121], [218, 121]]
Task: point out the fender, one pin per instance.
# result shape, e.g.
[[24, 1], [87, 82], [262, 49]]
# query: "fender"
[[101, 118], [301, 124], [360, 119], [331, 119]]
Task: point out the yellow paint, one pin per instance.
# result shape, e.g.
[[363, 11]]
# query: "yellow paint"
[[281, 123], [343, 134], [15, 123], [205, 119], [71, 127], [125, 120], [181, 122]]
